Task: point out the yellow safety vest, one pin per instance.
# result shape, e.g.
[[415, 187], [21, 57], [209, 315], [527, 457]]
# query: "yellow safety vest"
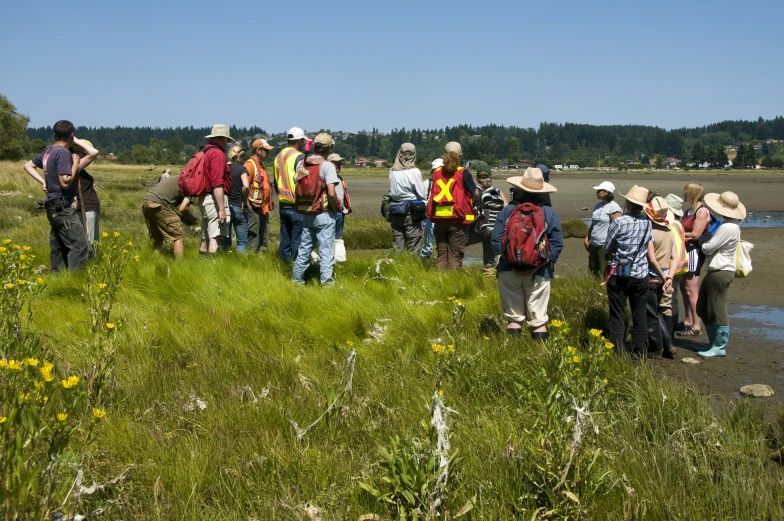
[[286, 173], [680, 248]]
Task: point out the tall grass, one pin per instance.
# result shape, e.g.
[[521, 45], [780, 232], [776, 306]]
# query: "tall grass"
[[219, 356]]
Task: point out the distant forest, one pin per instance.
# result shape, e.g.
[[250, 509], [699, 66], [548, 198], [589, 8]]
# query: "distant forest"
[[551, 143]]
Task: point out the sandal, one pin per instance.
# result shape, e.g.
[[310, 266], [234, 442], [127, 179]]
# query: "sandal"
[[689, 331], [669, 354], [682, 326]]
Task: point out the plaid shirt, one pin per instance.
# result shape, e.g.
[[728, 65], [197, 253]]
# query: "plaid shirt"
[[624, 238]]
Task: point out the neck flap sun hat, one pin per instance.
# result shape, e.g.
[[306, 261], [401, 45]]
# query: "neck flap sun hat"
[[454, 146], [676, 204], [532, 180], [220, 131], [406, 157], [659, 211], [637, 195], [726, 204]]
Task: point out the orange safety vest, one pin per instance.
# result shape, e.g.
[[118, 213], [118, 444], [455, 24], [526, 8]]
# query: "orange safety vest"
[[680, 247], [449, 200], [286, 173], [259, 185]]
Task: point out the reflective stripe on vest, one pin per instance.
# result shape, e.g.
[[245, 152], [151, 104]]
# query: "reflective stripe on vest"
[[285, 173], [680, 248], [446, 190]]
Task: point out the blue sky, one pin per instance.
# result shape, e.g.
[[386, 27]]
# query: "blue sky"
[[426, 64]]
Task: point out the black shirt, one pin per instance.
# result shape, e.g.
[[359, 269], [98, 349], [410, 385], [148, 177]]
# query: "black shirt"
[[235, 196], [89, 197]]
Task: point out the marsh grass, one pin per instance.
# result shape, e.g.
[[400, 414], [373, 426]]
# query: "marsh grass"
[[574, 228], [233, 335]]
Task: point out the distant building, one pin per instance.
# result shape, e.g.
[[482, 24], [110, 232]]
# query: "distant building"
[[574, 167], [361, 162], [559, 167], [380, 163]]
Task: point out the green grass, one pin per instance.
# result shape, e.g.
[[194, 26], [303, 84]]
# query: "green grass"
[[261, 352], [574, 228]]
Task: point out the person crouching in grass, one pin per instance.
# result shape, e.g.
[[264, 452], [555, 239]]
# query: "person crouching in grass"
[[164, 223], [525, 295]]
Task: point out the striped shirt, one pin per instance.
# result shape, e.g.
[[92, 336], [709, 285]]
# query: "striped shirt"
[[624, 238]]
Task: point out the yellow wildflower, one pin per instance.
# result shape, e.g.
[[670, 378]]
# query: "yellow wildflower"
[[576, 359], [116, 234], [451, 348], [23, 266], [23, 397], [451, 298], [124, 250], [39, 281], [571, 349], [26, 248], [595, 332], [46, 371], [38, 384], [608, 344], [21, 282], [136, 258], [130, 243], [440, 392], [349, 343], [3, 419], [23, 257], [44, 400], [109, 325], [6, 241], [458, 302], [114, 247], [486, 338], [438, 348], [3, 364], [9, 286], [61, 416], [605, 380], [32, 362], [32, 256], [557, 323], [3, 249], [13, 364], [16, 247], [104, 235], [70, 382], [98, 413], [102, 285]]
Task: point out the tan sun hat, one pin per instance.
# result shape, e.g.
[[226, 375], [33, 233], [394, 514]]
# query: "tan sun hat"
[[324, 139], [676, 204], [727, 204], [334, 157], [637, 195], [659, 211], [220, 131], [261, 143], [454, 146], [532, 180]]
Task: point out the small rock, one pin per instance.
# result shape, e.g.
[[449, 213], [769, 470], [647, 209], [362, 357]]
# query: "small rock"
[[757, 390], [585, 208], [690, 360]]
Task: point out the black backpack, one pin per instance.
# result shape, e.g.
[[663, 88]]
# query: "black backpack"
[[490, 203]]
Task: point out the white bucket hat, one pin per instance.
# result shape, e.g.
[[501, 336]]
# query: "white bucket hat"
[[637, 195], [607, 186], [726, 204], [676, 204], [532, 180], [220, 131]]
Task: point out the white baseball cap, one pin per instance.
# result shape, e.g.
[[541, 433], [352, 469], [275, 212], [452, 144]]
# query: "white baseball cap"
[[437, 163], [295, 133], [606, 186]]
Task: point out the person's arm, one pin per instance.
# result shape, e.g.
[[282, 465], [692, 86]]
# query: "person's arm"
[[612, 232], [470, 186], [652, 261], [332, 198], [67, 179], [555, 236], [503, 197], [498, 230], [671, 268], [90, 153], [245, 190], [615, 215], [419, 186], [32, 171], [700, 223], [719, 239]]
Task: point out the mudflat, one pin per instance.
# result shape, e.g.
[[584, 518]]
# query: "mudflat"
[[755, 353]]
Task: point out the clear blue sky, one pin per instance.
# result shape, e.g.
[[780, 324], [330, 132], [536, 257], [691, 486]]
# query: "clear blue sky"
[[391, 64]]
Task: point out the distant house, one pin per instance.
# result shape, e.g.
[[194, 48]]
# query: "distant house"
[[574, 167], [380, 163], [758, 147], [559, 167], [361, 162], [522, 163]]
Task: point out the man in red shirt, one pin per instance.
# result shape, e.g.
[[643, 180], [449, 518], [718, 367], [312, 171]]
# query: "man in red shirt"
[[213, 206]]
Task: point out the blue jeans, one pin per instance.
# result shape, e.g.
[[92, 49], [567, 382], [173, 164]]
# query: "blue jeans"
[[339, 219], [427, 239], [240, 223], [290, 233], [318, 229]]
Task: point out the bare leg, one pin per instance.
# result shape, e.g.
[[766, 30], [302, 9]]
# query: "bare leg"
[[203, 246], [693, 293], [179, 249], [687, 318], [213, 245]]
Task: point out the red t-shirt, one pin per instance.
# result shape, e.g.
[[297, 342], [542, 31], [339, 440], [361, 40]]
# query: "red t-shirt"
[[216, 168]]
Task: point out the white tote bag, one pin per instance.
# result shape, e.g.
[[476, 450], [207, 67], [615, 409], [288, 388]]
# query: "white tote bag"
[[743, 259], [340, 251]]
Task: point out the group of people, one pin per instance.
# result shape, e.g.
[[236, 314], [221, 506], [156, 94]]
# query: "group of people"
[[644, 251], [651, 249]]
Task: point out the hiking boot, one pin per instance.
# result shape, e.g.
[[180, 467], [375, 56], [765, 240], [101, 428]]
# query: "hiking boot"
[[540, 337]]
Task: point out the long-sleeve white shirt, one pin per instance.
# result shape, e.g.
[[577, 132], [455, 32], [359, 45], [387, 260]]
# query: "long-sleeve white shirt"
[[720, 249], [407, 185]]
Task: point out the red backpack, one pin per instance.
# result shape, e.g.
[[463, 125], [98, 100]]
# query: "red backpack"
[[193, 182], [310, 193], [524, 245]]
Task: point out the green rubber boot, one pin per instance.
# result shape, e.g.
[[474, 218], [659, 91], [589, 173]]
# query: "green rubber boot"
[[721, 337]]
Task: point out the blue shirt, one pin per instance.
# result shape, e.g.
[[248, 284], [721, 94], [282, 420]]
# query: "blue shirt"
[[625, 237], [554, 236]]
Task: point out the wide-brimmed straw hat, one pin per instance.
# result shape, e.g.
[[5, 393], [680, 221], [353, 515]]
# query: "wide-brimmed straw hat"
[[659, 211], [637, 195], [727, 204], [532, 180], [220, 131]]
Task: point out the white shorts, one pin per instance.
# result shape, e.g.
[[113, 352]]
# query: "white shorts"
[[211, 228], [524, 297]]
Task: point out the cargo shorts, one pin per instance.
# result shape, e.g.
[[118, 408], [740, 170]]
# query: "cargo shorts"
[[163, 223]]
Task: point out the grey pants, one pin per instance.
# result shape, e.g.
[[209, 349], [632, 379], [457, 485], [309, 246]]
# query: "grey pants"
[[406, 233], [69, 248], [258, 231]]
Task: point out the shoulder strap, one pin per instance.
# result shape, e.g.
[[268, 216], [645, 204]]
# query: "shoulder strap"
[[643, 241]]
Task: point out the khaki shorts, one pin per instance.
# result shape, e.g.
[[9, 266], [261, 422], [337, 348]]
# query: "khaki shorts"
[[162, 222], [665, 306], [211, 228], [524, 297]]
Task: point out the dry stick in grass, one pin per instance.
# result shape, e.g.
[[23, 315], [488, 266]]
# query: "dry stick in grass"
[[348, 377], [439, 413], [582, 416]]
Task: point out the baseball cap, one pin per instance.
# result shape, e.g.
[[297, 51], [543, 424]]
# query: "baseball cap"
[[454, 146], [295, 133], [437, 163], [334, 157], [606, 186], [261, 143], [545, 172], [324, 139]]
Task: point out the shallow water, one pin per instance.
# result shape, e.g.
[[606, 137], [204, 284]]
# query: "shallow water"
[[770, 319], [753, 220]]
